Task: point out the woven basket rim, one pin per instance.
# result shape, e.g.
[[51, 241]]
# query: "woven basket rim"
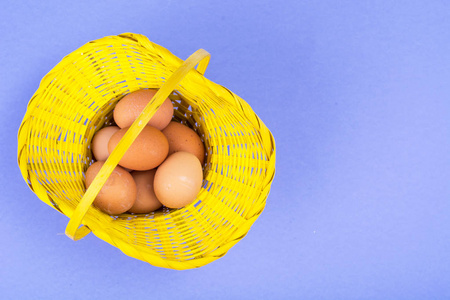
[[22, 151]]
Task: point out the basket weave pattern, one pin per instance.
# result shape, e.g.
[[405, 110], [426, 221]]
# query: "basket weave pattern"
[[77, 97]]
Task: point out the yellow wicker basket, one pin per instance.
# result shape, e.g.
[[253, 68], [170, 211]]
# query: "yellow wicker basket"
[[77, 97]]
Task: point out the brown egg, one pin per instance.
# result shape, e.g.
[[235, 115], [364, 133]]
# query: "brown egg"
[[183, 138], [129, 108], [146, 200], [147, 152], [100, 142], [118, 194], [178, 180]]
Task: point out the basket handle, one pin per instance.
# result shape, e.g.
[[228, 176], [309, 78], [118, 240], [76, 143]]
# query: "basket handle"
[[73, 229]]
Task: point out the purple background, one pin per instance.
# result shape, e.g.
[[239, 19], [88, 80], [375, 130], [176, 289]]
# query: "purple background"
[[357, 95]]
